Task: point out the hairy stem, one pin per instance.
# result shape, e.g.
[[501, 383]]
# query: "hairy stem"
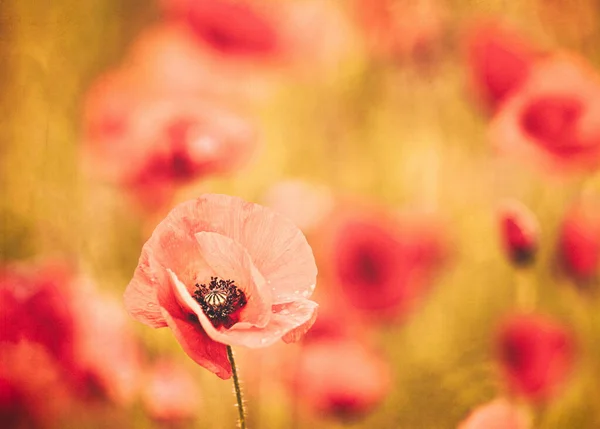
[[237, 388]]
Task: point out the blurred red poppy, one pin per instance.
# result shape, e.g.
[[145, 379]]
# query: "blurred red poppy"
[[499, 61], [579, 245], [340, 378], [152, 144], [220, 271], [257, 36], [36, 309], [231, 27], [553, 120], [519, 231], [381, 264], [49, 305], [497, 414], [536, 354], [166, 60]]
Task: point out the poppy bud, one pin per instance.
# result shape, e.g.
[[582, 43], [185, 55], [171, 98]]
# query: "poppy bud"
[[519, 231]]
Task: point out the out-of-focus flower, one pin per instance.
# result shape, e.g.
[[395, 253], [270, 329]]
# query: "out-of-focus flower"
[[221, 271], [304, 203], [153, 144], [519, 231], [381, 264], [230, 27], [401, 30], [497, 414], [49, 305], [553, 120], [35, 307], [170, 393], [340, 379], [263, 36], [536, 354], [105, 347], [579, 245], [499, 61], [166, 60], [32, 393]]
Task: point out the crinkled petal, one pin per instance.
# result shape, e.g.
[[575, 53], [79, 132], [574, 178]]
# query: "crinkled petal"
[[172, 246], [229, 260], [277, 247], [140, 297]]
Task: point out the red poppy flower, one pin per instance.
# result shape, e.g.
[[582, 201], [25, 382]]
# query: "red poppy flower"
[[48, 305], [381, 264], [553, 119], [218, 271], [340, 379], [170, 393], [536, 354], [519, 232], [153, 144], [579, 245], [497, 414], [499, 61]]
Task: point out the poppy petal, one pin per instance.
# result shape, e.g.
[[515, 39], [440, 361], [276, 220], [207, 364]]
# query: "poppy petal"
[[285, 319], [140, 297], [279, 249], [194, 341], [229, 260], [176, 311]]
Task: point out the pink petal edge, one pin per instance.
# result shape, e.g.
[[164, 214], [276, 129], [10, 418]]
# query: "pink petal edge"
[[140, 297]]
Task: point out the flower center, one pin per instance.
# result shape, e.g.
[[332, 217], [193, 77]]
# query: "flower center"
[[221, 301]]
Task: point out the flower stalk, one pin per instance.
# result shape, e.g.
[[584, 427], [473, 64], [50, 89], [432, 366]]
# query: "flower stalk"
[[237, 388]]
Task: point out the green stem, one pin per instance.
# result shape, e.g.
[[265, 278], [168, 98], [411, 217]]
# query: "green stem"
[[237, 388]]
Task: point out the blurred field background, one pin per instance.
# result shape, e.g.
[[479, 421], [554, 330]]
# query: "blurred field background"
[[401, 131]]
